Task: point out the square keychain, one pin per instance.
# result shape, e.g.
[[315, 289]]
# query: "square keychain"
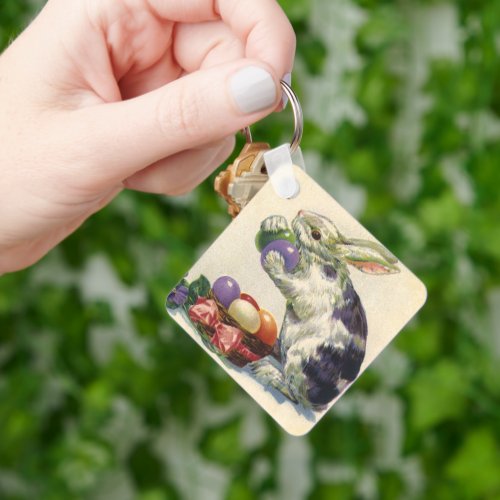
[[296, 298]]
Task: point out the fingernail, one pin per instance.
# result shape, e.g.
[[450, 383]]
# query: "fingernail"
[[253, 89], [287, 79]]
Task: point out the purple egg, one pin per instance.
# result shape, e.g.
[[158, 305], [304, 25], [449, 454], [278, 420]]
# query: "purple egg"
[[286, 249], [226, 290]]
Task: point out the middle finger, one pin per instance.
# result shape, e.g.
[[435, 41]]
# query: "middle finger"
[[207, 44]]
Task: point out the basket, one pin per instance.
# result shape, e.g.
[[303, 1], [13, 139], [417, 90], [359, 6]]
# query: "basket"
[[252, 348]]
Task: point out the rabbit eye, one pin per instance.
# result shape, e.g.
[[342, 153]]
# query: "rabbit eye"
[[316, 234]]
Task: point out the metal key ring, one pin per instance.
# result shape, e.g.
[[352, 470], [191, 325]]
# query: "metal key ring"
[[297, 116]]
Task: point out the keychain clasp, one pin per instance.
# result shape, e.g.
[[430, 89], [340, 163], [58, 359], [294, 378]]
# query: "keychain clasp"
[[243, 179], [298, 117]]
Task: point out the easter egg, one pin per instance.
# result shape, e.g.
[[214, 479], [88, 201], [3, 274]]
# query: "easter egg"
[[249, 299], [268, 331], [245, 314], [263, 238], [286, 249], [226, 290]]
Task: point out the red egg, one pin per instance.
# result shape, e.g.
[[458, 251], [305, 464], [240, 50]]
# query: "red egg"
[[249, 298], [268, 331]]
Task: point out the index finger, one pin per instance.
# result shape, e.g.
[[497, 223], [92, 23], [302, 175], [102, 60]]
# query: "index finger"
[[261, 25], [264, 26]]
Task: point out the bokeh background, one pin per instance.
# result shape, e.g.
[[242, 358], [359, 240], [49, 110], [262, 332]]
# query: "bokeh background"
[[103, 397]]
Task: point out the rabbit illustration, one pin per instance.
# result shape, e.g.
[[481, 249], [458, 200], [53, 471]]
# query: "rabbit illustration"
[[322, 341]]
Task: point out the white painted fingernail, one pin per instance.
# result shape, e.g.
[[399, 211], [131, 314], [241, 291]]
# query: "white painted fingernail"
[[287, 79], [253, 89]]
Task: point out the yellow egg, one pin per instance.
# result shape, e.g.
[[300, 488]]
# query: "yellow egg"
[[245, 314]]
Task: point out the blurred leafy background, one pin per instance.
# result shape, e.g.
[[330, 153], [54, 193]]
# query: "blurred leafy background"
[[103, 397]]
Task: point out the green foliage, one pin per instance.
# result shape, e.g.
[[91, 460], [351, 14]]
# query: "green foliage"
[[101, 396], [199, 288], [478, 477], [437, 395], [223, 445]]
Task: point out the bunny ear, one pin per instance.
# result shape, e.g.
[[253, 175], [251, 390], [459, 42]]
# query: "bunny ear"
[[368, 256]]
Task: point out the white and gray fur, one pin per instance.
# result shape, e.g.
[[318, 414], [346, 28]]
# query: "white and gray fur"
[[322, 341]]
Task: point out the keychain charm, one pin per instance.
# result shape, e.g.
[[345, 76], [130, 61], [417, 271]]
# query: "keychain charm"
[[296, 298], [244, 178]]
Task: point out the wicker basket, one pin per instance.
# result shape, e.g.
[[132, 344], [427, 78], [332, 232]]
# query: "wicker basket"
[[258, 348]]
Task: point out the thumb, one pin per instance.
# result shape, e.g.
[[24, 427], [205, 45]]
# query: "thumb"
[[196, 109]]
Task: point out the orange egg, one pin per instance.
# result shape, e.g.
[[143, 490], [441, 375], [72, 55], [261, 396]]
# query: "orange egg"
[[249, 298], [268, 331]]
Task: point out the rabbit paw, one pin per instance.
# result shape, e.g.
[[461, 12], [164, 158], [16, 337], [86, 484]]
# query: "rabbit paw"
[[270, 374], [274, 224], [274, 263]]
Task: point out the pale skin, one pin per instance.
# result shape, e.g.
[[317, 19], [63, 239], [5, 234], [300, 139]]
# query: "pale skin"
[[97, 96]]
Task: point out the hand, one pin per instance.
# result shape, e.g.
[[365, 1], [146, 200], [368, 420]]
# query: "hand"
[[98, 95]]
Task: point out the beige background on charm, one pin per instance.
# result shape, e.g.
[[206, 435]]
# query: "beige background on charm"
[[389, 300]]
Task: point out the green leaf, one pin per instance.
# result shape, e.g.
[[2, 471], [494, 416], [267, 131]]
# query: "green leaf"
[[442, 214], [198, 288], [437, 394], [476, 465], [240, 490], [338, 491], [223, 444]]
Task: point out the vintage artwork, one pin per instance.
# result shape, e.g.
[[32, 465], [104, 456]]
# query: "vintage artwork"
[[230, 323], [294, 300], [323, 337], [322, 341]]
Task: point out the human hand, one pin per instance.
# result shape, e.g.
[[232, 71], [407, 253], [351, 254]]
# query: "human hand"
[[98, 95]]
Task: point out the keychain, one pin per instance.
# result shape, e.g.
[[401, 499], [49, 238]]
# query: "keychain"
[[296, 298]]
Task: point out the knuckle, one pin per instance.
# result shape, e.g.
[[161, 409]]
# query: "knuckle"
[[290, 38], [231, 48], [180, 114]]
